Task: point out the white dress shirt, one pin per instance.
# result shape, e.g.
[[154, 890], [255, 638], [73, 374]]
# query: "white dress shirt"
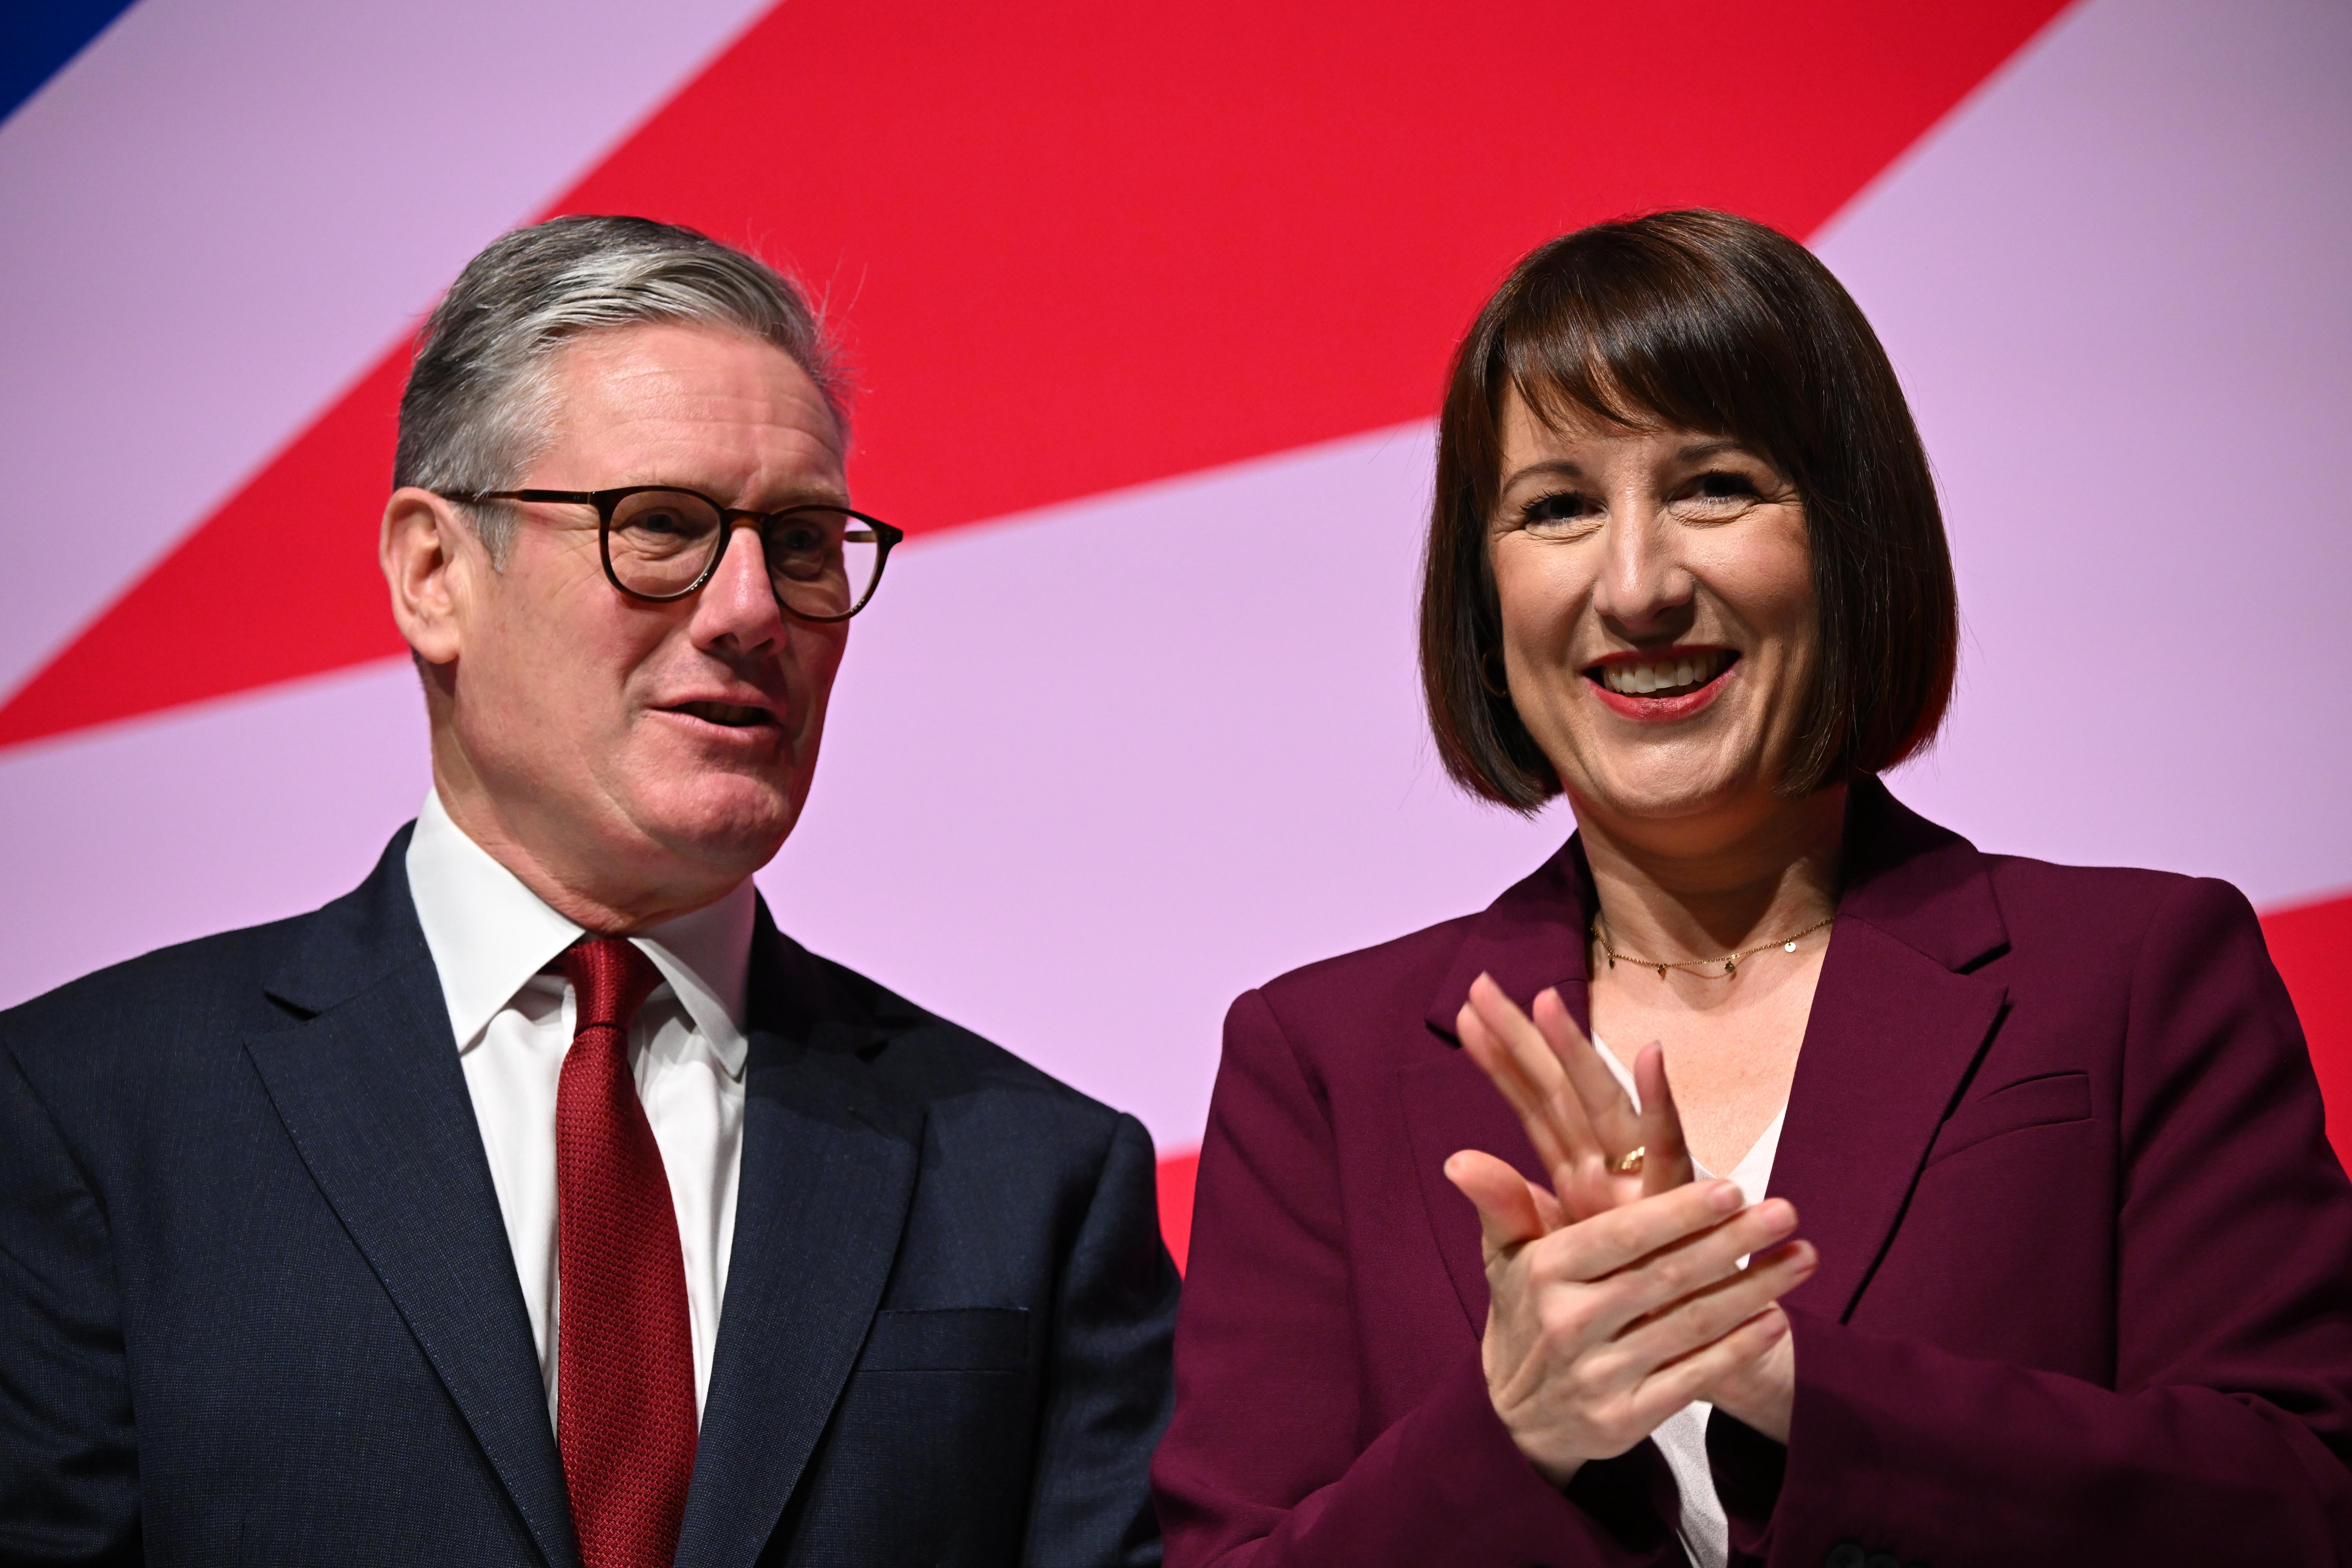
[[1682, 1436], [490, 937]]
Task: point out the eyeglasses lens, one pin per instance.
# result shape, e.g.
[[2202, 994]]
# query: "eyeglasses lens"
[[660, 540], [822, 561]]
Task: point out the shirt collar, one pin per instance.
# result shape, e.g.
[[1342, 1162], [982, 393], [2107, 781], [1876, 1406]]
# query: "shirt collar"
[[490, 935]]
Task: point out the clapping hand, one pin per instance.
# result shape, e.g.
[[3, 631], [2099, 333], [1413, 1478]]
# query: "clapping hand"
[[1617, 1294]]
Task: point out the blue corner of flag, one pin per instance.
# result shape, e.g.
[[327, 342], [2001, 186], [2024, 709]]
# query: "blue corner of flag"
[[38, 36]]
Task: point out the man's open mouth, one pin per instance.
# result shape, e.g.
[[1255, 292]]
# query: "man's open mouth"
[[727, 713], [1678, 674]]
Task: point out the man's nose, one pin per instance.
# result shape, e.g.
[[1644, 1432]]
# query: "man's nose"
[[738, 605]]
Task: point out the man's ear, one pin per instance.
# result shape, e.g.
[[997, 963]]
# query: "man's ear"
[[429, 557]]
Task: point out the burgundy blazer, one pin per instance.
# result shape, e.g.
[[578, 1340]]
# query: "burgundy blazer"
[[2085, 1288]]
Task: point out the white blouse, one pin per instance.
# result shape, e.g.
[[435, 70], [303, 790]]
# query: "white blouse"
[[1682, 1436]]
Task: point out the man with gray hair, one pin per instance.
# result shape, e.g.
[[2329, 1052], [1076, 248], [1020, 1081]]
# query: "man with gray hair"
[[540, 1202]]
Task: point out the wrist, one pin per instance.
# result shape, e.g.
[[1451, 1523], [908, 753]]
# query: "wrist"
[[1765, 1417], [1555, 1472], [1538, 1442]]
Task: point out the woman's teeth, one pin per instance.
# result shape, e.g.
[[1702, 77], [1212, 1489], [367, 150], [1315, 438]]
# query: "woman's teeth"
[[1668, 675]]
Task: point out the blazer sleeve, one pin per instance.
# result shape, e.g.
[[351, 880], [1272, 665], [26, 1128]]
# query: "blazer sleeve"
[[2225, 1437], [69, 1466], [1267, 1463], [1108, 1389]]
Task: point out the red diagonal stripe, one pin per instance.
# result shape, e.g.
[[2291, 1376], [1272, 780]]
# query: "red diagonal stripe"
[[2308, 945], [1078, 247]]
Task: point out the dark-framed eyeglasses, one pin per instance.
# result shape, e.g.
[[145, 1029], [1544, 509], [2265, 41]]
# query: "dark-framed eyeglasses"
[[660, 542]]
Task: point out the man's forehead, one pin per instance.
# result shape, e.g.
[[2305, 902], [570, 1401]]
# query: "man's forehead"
[[680, 363], [658, 396]]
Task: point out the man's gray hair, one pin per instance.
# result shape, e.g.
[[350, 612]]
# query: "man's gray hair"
[[479, 409]]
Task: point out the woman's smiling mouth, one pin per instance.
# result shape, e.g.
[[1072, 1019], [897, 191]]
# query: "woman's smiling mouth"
[[1672, 685]]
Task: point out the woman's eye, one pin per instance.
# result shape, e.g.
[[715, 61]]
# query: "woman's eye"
[[1553, 512], [1724, 487]]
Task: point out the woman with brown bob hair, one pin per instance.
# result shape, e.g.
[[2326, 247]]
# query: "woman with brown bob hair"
[[1773, 1176]]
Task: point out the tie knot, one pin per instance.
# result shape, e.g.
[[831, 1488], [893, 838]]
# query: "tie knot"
[[611, 979]]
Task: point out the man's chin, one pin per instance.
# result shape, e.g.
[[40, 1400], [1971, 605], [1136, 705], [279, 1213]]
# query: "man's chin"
[[727, 826]]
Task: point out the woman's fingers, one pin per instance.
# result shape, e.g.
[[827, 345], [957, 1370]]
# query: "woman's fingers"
[[1527, 1102], [1508, 1215], [1707, 1314], [1665, 1158], [1604, 1100], [1651, 1281], [1550, 1096], [1598, 1329], [1676, 1383], [1594, 1249]]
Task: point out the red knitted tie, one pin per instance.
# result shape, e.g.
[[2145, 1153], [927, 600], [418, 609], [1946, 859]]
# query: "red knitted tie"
[[624, 1352]]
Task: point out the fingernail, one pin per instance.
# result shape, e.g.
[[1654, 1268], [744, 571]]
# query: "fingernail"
[[1781, 1215], [1724, 1197]]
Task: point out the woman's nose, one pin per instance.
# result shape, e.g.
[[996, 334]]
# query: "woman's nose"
[[1641, 581]]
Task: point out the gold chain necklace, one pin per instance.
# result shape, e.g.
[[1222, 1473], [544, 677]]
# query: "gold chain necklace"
[[1705, 968]]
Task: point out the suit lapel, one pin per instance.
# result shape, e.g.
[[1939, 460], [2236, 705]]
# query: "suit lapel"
[[371, 1092], [829, 1163]]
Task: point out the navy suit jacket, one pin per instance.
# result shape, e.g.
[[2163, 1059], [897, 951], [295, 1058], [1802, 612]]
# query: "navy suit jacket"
[[256, 1303], [2085, 1283]]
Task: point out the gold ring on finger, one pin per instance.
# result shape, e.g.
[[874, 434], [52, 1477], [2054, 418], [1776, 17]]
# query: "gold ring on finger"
[[1629, 1163]]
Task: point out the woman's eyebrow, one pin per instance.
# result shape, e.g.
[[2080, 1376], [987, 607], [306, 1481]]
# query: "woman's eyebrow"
[[1559, 466], [1700, 451]]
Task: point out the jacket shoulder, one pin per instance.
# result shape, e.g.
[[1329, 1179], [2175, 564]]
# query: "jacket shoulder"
[[1359, 996], [194, 993], [2111, 911], [157, 997], [933, 1061]]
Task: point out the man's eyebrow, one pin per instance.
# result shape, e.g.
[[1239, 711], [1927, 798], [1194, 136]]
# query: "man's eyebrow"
[[820, 495], [811, 495]]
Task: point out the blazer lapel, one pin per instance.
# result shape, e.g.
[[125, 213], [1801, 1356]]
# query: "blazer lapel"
[[370, 1090], [1897, 1028], [1449, 1106], [1529, 939], [829, 1163]]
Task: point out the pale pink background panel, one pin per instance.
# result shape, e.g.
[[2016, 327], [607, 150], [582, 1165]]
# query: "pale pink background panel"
[[2114, 285]]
